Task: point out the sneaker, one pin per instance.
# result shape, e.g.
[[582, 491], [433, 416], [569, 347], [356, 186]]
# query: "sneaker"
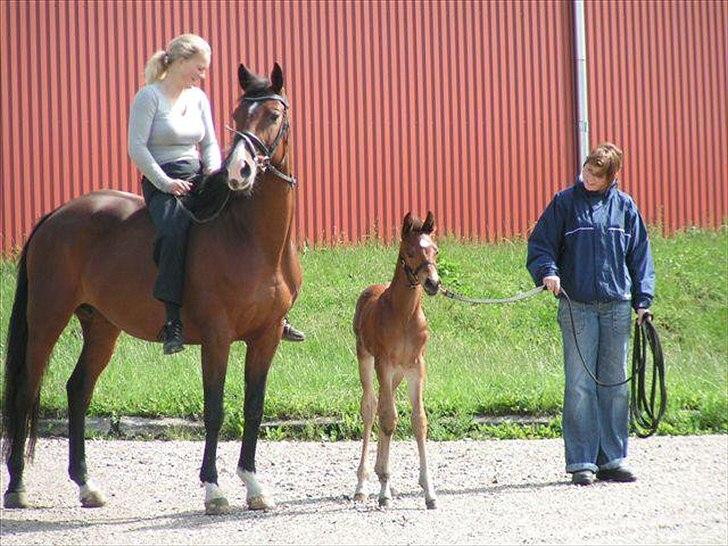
[[173, 337], [619, 474], [290, 333], [582, 477]]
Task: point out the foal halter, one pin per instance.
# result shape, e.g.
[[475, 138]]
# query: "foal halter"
[[257, 148], [412, 273]]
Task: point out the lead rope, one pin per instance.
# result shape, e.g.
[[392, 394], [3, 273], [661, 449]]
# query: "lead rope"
[[644, 413]]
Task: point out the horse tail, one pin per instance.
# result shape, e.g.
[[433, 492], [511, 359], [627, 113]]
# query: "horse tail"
[[16, 416]]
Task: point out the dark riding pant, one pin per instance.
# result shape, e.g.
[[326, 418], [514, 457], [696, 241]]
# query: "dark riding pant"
[[172, 224]]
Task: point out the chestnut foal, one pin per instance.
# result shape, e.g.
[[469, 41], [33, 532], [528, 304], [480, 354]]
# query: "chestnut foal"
[[391, 333]]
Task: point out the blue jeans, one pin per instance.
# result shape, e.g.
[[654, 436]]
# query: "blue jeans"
[[595, 419]]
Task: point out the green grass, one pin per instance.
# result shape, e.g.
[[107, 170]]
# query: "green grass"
[[481, 359]]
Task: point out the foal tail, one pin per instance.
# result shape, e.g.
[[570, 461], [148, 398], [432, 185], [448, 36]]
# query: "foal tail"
[[18, 415]]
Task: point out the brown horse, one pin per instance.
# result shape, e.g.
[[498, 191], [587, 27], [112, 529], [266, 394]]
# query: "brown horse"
[[391, 333], [93, 257]]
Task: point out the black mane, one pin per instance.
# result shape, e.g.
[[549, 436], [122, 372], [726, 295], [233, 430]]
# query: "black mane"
[[209, 195]]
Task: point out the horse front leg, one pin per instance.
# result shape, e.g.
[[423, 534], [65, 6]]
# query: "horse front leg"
[[214, 367], [257, 363]]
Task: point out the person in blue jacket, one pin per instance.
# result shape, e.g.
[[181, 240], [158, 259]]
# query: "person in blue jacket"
[[591, 240]]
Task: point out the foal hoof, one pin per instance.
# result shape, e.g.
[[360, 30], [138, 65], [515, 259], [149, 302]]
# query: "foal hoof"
[[93, 499], [15, 499], [385, 502], [217, 506], [261, 502], [360, 497], [431, 504]]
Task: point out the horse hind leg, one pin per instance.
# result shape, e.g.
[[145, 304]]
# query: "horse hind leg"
[[368, 413], [23, 382], [99, 340]]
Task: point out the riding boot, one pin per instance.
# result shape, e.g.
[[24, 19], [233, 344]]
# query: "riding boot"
[[290, 333], [172, 333], [173, 337]]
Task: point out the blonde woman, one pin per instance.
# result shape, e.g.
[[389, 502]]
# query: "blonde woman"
[[171, 140]]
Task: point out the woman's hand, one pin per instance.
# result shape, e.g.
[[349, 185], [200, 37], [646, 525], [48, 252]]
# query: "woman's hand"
[[179, 187], [552, 284], [643, 314]]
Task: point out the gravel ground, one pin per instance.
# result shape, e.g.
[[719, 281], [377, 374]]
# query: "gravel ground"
[[488, 492]]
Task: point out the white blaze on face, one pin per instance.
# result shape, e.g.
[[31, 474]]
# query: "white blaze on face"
[[425, 243], [241, 168]]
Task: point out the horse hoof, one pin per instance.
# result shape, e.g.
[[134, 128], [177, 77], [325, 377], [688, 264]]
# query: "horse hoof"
[[15, 499], [261, 502], [431, 504], [360, 497], [385, 502], [93, 499], [217, 506]]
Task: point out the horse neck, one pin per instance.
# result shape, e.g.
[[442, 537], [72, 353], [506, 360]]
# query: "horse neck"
[[405, 299], [268, 214]]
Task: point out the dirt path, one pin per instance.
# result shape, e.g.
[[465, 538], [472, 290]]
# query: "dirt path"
[[489, 492]]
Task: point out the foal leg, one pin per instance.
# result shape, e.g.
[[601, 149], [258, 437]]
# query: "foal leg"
[[215, 352], [387, 424], [99, 340], [415, 383], [368, 412], [257, 363]]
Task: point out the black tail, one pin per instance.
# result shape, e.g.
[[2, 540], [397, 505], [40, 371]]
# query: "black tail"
[[16, 417]]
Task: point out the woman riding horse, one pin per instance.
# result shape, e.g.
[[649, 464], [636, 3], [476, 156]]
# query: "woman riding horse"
[[171, 137], [92, 257]]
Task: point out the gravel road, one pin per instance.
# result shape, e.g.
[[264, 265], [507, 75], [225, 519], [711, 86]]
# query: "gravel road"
[[509, 491]]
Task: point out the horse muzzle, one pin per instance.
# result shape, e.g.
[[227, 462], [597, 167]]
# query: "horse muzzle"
[[432, 285], [241, 175]]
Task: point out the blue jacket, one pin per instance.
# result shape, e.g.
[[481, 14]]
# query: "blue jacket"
[[597, 244]]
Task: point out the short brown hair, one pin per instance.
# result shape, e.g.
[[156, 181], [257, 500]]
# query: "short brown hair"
[[605, 161]]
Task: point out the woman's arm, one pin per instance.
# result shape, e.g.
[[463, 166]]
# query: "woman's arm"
[[639, 262], [141, 117]]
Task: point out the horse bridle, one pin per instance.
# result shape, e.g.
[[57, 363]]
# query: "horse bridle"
[[412, 273], [258, 149]]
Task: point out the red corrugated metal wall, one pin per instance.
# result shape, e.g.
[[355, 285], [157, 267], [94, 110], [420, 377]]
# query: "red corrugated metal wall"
[[464, 108], [657, 85]]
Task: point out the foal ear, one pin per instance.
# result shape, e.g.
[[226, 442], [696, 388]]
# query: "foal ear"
[[406, 224], [244, 76], [276, 78], [429, 225]]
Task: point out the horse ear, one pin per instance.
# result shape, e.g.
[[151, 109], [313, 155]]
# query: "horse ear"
[[276, 78], [244, 76], [406, 224], [429, 225]]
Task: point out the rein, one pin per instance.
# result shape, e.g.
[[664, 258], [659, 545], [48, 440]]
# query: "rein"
[[645, 413]]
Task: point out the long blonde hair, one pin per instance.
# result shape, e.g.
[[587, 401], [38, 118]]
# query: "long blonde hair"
[[182, 47]]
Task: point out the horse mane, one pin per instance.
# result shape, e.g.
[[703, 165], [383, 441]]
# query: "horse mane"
[[208, 197]]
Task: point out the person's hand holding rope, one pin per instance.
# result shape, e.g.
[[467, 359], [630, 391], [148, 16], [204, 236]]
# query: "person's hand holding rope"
[[552, 284]]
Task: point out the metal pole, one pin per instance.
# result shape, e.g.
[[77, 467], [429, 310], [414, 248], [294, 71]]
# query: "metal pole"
[[582, 109]]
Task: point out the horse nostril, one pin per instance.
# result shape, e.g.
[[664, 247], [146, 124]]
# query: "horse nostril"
[[245, 171]]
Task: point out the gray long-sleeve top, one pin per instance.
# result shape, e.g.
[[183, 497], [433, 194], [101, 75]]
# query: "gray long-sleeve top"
[[160, 133]]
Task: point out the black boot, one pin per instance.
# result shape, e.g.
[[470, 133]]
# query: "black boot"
[[290, 333], [173, 337]]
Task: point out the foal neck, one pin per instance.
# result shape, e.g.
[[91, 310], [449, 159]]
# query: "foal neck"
[[405, 297]]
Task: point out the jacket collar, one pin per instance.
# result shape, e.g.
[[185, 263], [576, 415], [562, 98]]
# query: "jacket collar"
[[580, 188]]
